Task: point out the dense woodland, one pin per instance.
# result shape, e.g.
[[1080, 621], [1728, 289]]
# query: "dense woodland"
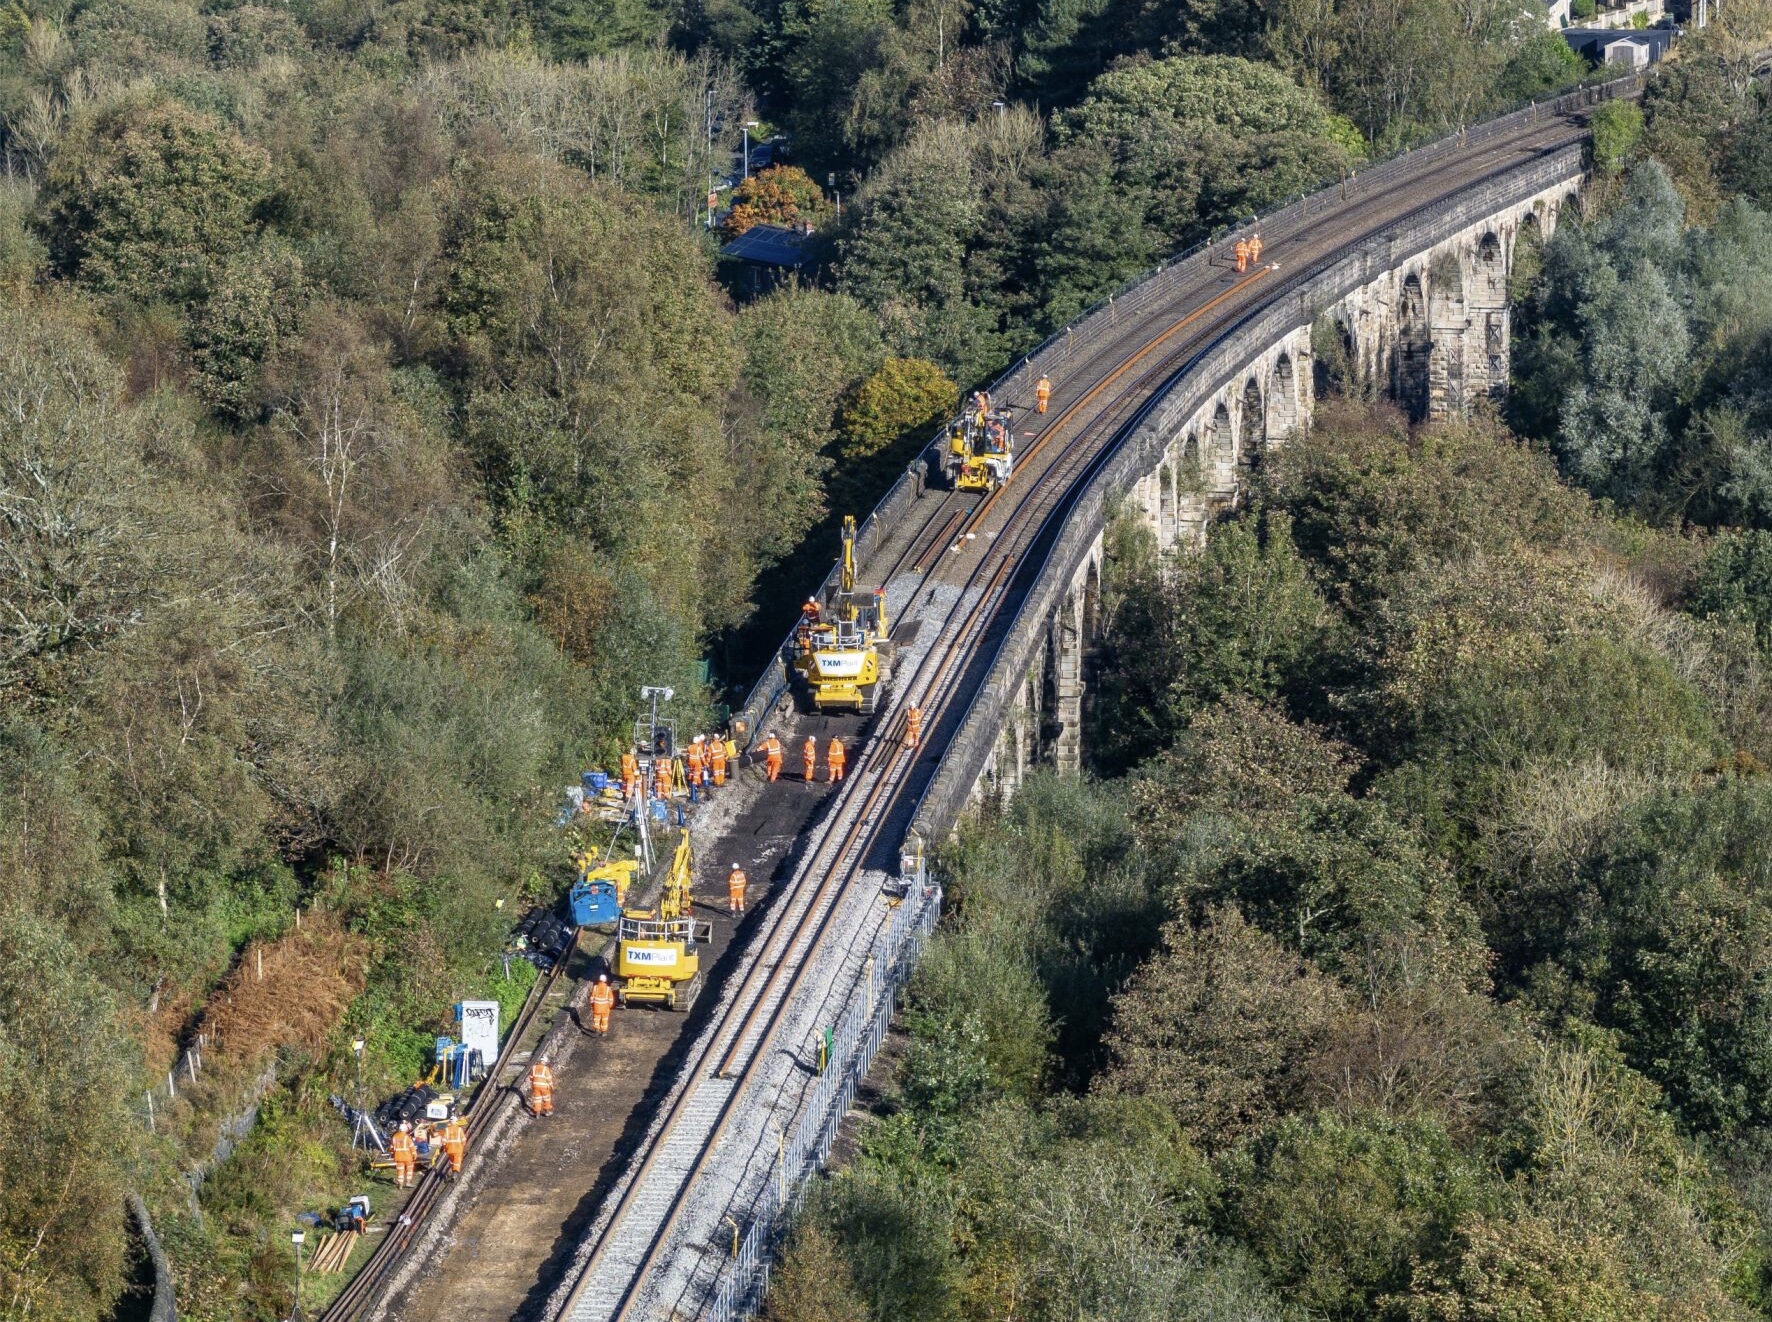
[[375, 416]]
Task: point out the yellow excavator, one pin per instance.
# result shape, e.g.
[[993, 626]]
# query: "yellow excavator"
[[656, 962], [981, 451], [843, 655]]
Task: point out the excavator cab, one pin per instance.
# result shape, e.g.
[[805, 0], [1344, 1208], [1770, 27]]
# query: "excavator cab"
[[656, 961], [843, 658]]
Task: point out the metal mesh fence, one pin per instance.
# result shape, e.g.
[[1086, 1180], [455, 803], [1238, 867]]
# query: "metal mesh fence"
[[856, 1041]]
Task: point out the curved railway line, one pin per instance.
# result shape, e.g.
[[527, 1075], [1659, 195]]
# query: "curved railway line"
[[959, 568], [1110, 388]]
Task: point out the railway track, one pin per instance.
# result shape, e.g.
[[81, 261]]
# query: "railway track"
[[1109, 389]]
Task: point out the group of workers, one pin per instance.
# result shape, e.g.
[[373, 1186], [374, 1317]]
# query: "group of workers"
[[836, 758], [408, 1145], [1247, 252], [704, 765]]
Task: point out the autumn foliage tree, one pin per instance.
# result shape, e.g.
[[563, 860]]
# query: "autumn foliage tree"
[[780, 195]]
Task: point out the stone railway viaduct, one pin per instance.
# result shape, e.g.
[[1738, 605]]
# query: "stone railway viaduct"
[[1420, 313]]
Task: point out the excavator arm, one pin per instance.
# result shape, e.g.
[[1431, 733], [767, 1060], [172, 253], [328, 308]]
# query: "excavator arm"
[[846, 578]]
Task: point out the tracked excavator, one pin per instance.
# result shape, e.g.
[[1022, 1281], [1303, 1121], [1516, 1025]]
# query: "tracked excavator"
[[842, 655], [656, 961], [981, 449]]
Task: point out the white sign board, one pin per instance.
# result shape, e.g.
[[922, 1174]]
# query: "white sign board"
[[662, 958], [479, 1028]]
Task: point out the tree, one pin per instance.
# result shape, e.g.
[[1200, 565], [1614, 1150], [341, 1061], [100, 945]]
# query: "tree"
[[1617, 129], [1202, 140], [596, 357], [1340, 1211], [358, 482], [805, 351], [813, 1282], [906, 396], [1242, 618], [77, 511], [905, 256], [69, 1138], [149, 201], [1217, 1027], [780, 195]]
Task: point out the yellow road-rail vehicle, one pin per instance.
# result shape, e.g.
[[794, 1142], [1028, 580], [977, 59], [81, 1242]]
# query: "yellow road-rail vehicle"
[[656, 961], [842, 653]]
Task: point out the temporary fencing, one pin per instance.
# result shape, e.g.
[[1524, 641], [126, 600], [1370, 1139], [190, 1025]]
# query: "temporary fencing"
[[855, 1042]]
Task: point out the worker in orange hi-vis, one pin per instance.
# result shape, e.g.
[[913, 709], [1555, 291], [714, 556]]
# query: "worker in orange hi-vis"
[[717, 760], [455, 1143], [602, 999], [630, 774], [809, 760], [836, 757], [693, 759], [1254, 248], [1242, 253], [1042, 395], [541, 1087], [661, 778], [913, 726], [405, 1154], [735, 884], [772, 758]]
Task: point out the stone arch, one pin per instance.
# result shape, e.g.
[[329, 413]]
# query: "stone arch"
[[1571, 205], [1166, 502], [1219, 451], [1047, 698], [1491, 270], [1409, 361], [1282, 397], [1254, 427]]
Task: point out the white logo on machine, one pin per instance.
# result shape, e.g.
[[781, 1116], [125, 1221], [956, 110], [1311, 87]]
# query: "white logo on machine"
[[640, 955], [845, 665]]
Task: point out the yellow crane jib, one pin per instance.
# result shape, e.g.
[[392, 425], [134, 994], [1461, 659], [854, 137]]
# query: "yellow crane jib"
[[842, 659], [656, 961]]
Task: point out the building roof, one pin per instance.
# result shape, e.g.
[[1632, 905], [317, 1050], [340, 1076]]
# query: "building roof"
[[1654, 40], [769, 245]]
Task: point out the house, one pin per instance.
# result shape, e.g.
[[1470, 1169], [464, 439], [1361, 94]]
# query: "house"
[[769, 252], [1555, 12], [1627, 48]]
